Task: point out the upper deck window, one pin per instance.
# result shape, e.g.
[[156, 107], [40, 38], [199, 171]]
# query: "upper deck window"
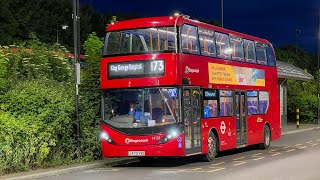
[[270, 56], [207, 44], [237, 48], [261, 53], [249, 51], [189, 42], [223, 47], [146, 40]]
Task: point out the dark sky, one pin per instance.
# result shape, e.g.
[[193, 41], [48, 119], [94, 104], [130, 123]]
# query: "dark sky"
[[275, 20]]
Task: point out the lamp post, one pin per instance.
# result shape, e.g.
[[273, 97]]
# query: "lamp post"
[[64, 27], [318, 69], [76, 43], [221, 13]]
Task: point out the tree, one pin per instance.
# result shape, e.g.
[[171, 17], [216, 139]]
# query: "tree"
[[90, 98], [302, 95], [8, 24]]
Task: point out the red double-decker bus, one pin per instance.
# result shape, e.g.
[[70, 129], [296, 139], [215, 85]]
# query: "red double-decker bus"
[[172, 86]]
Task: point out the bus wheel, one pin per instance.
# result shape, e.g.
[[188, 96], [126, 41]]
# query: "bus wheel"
[[267, 138], [212, 148]]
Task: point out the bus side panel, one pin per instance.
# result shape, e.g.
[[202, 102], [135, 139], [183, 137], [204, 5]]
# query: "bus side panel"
[[226, 129], [274, 109], [255, 129]]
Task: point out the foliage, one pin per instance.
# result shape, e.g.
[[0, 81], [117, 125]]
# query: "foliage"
[[302, 95], [297, 57], [3, 69], [36, 125], [24, 20], [33, 60], [90, 98]]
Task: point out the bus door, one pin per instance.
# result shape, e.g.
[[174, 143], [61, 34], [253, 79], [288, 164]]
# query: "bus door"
[[241, 119], [191, 116]]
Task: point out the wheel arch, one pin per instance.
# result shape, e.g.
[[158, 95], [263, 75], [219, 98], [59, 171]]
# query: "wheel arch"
[[268, 124], [215, 132]]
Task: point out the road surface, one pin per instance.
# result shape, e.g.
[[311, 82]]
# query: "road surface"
[[294, 156]]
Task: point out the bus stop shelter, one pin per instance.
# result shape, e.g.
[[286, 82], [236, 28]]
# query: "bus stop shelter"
[[288, 71]]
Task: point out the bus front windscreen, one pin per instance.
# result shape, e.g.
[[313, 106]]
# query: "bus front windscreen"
[[137, 108], [147, 40]]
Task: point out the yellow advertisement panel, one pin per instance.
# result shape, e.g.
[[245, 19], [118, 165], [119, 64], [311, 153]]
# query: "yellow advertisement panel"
[[235, 75]]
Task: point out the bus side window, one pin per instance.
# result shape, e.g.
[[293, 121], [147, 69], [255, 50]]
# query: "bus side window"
[[249, 51], [252, 102], [263, 102], [226, 103], [270, 56], [223, 47], [210, 103], [189, 42], [261, 53], [237, 48], [207, 44]]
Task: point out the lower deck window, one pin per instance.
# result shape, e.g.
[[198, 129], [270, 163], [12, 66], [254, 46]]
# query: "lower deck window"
[[226, 104]]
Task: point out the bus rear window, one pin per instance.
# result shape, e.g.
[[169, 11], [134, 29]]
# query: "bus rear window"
[[146, 40]]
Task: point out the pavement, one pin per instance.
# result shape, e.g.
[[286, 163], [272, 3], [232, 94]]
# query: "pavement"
[[114, 162], [292, 128]]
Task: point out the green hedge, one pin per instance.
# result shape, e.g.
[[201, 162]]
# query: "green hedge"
[[36, 125]]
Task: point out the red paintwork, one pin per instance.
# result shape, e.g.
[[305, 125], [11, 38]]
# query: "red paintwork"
[[151, 147], [175, 65]]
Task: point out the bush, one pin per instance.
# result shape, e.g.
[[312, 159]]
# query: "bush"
[[302, 95], [36, 125], [90, 99]]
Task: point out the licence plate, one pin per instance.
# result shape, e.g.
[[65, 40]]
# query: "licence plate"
[[136, 153]]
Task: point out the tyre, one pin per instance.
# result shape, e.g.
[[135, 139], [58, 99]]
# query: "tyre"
[[212, 148], [266, 138]]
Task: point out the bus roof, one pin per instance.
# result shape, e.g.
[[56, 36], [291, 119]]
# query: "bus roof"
[[170, 21]]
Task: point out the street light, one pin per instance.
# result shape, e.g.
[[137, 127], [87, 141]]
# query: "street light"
[[76, 43], [318, 70], [64, 27], [221, 13]]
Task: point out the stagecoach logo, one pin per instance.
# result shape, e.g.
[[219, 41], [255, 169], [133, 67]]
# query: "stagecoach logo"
[[189, 70], [128, 140]]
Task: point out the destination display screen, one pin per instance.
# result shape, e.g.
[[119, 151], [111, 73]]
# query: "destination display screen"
[[210, 94], [150, 68]]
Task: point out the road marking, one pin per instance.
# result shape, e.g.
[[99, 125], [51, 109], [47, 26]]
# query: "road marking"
[[214, 170], [217, 163], [318, 140], [239, 158], [312, 143], [286, 147], [290, 150], [302, 147], [298, 145], [195, 169], [272, 150], [239, 163], [257, 156], [276, 154]]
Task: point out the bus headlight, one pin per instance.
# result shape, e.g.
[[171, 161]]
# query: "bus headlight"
[[105, 136], [171, 135]]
